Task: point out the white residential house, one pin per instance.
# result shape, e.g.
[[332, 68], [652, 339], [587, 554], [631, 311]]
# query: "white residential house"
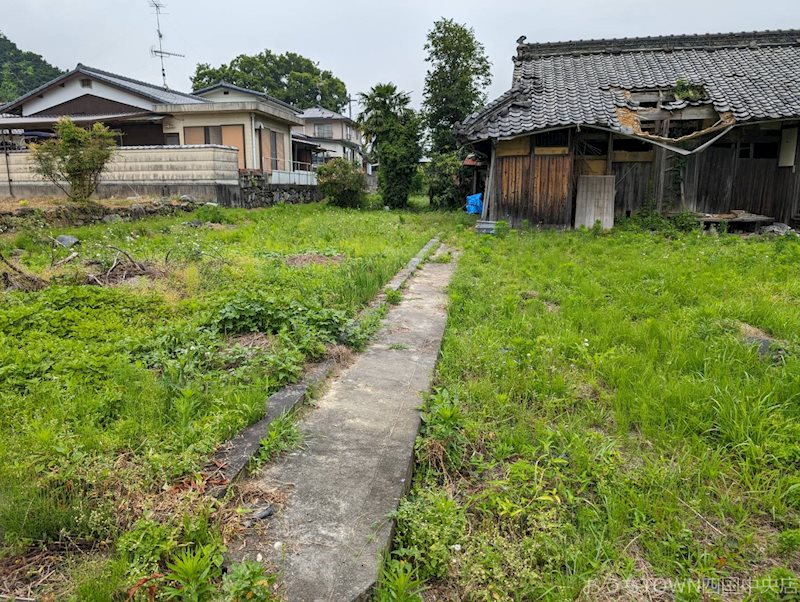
[[336, 134]]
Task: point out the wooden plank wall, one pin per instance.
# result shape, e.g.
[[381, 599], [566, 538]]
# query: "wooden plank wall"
[[539, 188], [536, 188], [634, 186], [718, 181]]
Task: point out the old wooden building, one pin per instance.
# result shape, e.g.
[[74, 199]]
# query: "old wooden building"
[[593, 130]]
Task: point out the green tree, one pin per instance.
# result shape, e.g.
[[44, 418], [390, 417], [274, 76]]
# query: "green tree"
[[455, 84], [75, 159], [20, 71], [444, 177], [392, 131], [342, 182], [289, 77]]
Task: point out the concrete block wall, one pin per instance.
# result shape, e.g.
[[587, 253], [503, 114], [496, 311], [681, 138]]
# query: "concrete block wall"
[[203, 171]]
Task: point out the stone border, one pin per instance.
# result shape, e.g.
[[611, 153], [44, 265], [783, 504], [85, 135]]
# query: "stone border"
[[230, 460]]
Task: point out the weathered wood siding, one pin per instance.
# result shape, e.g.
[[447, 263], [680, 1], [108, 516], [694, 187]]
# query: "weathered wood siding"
[[718, 181], [536, 188], [715, 180]]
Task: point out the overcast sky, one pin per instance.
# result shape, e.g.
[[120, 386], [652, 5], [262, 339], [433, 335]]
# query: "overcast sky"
[[361, 41]]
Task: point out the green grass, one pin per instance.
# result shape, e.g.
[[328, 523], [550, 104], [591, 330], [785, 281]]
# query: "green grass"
[[110, 394], [599, 418]]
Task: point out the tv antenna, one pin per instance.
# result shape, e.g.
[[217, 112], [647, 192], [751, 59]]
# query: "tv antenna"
[[160, 52]]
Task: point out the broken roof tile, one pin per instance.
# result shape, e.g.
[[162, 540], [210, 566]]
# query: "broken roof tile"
[[754, 75]]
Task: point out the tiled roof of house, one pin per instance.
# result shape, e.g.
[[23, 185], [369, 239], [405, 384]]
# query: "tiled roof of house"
[[262, 95], [322, 113], [157, 94], [749, 76]]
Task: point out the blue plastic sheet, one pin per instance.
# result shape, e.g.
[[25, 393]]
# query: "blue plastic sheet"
[[475, 203]]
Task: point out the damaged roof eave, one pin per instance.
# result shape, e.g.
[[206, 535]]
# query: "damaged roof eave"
[[656, 141]]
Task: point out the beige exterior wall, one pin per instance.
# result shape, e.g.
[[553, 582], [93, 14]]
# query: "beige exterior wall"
[[252, 152], [143, 165], [231, 96]]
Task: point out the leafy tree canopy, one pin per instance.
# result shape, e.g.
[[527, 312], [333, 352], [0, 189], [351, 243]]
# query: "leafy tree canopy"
[[459, 73], [20, 71], [392, 130], [289, 77]]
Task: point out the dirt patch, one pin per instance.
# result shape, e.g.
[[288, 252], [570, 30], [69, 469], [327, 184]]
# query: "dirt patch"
[[341, 354], [122, 271], [12, 204], [298, 261], [253, 340], [750, 331], [767, 345]]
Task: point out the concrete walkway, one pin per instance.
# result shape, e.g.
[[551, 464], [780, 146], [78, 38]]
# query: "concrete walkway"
[[358, 455]]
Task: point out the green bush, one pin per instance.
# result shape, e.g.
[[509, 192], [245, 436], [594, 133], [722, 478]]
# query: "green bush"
[[443, 175], [75, 159], [429, 524], [342, 182]]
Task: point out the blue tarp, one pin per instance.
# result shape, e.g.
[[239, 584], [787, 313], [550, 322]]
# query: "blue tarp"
[[475, 203]]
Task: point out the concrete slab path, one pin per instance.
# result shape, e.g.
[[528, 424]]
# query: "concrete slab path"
[[358, 455]]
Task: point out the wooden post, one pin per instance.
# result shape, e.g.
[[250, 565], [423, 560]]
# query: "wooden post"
[[661, 168], [610, 154]]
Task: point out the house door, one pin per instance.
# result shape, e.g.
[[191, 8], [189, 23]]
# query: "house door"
[[551, 199], [233, 135]]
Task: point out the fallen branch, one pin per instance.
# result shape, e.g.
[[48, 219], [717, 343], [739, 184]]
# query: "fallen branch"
[[71, 257], [34, 282], [127, 256]]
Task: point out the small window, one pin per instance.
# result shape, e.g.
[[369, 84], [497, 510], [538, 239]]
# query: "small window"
[[556, 138], [765, 150], [273, 146], [632, 145], [213, 134], [323, 130], [86, 83], [172, 139], [225, 92], [745, 150]]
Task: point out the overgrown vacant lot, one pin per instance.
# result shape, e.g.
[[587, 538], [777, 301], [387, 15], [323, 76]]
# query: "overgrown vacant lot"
[[602, 416], [109, 394]]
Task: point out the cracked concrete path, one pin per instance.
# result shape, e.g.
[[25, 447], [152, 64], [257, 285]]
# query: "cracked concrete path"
[[358, 455]]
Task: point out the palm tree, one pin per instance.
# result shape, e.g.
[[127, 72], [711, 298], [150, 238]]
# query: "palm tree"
[[383, 106]]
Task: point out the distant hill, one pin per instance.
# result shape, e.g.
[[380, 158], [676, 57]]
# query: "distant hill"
[[21, 71]]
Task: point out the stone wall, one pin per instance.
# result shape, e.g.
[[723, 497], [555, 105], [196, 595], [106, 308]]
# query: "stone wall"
[[256, 191], [75, 214]]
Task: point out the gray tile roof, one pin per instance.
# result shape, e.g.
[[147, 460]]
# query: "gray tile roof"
[[753, 76], [158, 94], [261, 95], [322, 113]]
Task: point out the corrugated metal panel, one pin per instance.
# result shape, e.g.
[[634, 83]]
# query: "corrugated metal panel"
[[595, 201]]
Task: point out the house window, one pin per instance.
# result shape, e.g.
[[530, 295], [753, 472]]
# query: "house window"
[[86, 83], [323, 130], [349, 132], [759, 150], [210, 134], [552, 139], [765, 150], [172, 139], [273, 145]]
